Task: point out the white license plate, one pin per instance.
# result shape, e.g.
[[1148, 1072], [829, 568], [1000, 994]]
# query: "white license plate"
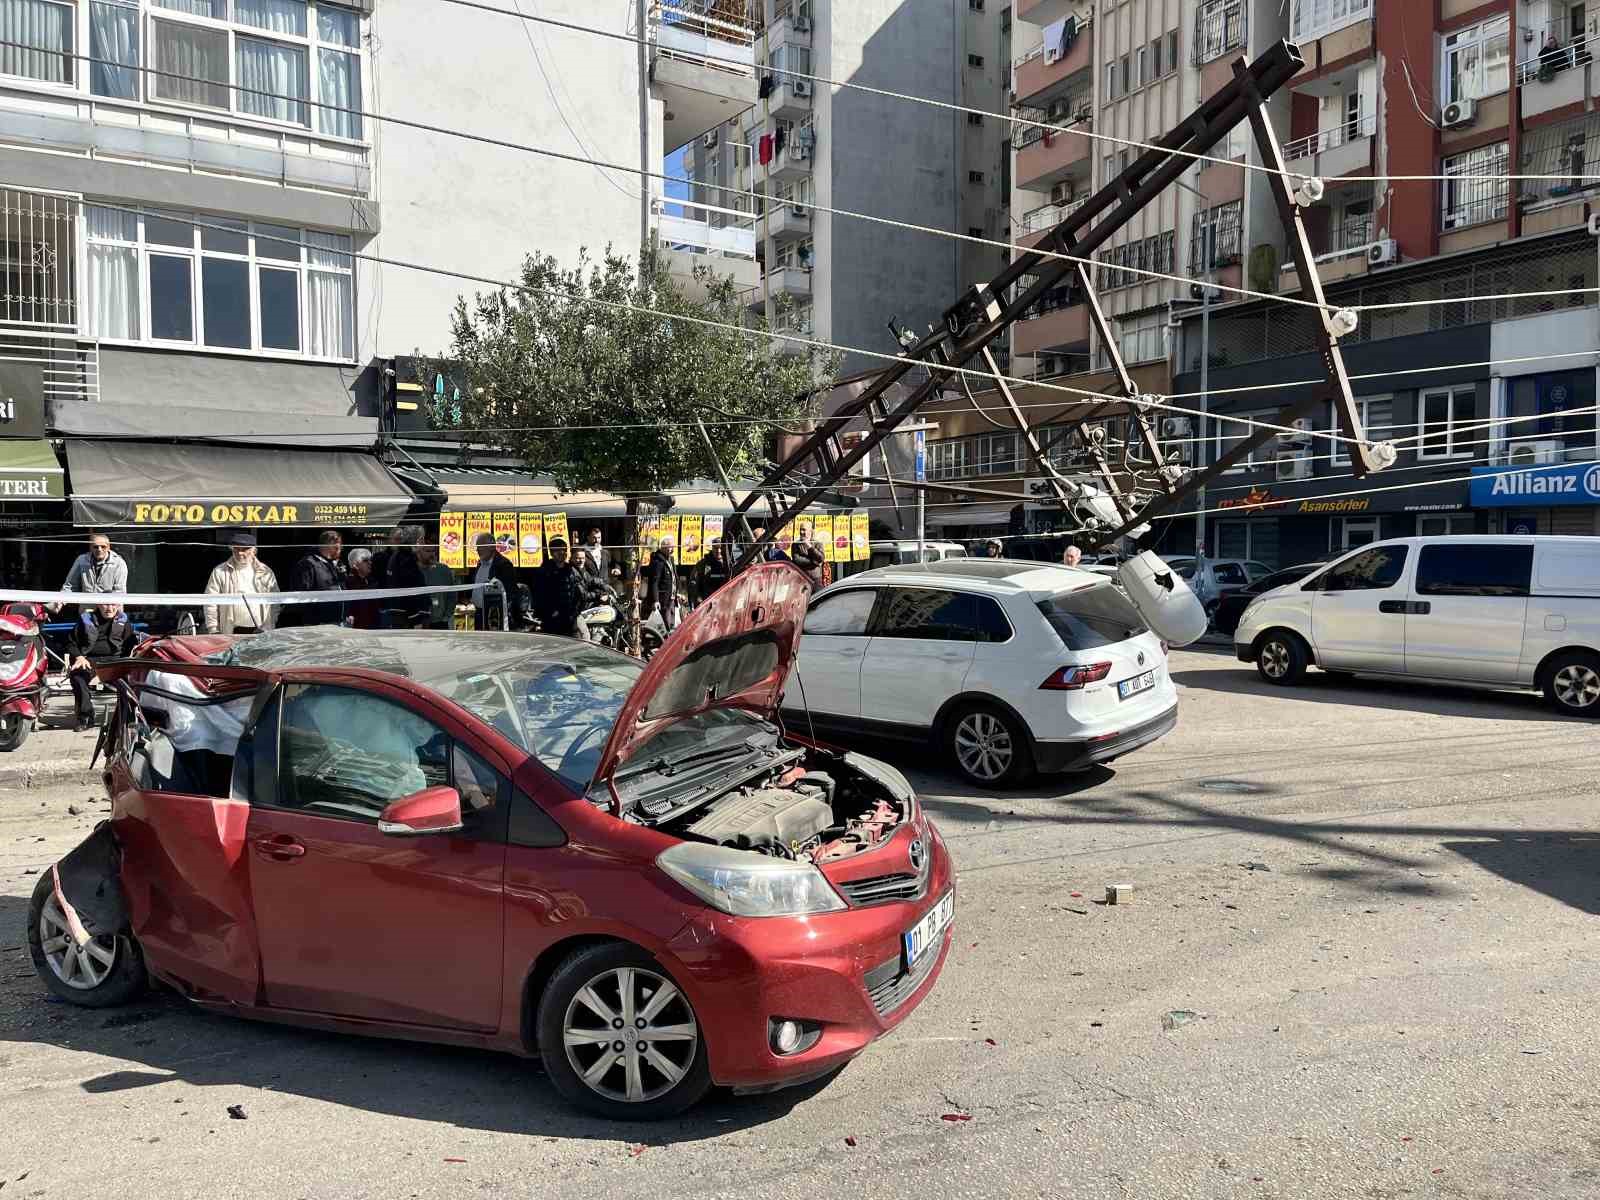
[[1139, 683], [925, 934]]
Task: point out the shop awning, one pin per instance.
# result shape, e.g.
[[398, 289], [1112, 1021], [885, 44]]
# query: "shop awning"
[[29, 471], [492, 490], [193, 484], [971, 514]]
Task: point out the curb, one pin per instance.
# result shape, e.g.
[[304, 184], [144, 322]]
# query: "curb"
[[48, 774]]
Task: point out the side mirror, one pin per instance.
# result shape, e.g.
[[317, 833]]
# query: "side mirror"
[[432, 810]]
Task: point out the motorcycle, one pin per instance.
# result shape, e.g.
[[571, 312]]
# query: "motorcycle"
[[608, 624], [23, 667]]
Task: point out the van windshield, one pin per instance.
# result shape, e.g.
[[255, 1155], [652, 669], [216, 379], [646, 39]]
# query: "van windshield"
[[1086, 618]]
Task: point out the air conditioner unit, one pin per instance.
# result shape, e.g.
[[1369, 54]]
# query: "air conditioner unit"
[[1061, 193], [1535, 454], [1177, 427], [1291, 466], [1461, 112], [802, 87], [802, 24], [1383, 252], [709, 140], [1302, 433]]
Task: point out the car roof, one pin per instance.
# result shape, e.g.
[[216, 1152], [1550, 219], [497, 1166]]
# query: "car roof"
[[996, 576], [911, 544]]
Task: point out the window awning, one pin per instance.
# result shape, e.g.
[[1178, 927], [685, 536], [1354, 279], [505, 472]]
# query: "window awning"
[[154, 484], [29, 471]]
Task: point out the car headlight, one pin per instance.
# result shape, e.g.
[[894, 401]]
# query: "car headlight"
[[744, 884]]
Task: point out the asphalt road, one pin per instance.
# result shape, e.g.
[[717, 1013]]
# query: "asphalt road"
[[1372, 908]]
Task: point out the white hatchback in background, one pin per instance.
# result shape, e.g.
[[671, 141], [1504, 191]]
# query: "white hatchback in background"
[[1008, 667], [1491, 611]]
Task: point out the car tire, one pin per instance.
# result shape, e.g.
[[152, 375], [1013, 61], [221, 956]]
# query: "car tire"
[[1572, 683], [598, 975], [989, 747], [110, 973], [1281, 657]]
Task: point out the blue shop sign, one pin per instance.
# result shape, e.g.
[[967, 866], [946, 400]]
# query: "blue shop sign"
[[1536, 487]]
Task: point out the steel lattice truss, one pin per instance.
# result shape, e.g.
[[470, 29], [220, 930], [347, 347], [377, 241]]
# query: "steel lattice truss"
[[973, 325]]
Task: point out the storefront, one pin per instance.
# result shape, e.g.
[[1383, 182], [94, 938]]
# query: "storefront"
[[1559, 498], [34, 522]]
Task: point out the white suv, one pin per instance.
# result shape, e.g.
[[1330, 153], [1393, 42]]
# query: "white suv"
[[1009, 667]]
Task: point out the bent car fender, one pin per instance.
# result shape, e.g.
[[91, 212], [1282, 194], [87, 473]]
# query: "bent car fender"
[[88, 881]]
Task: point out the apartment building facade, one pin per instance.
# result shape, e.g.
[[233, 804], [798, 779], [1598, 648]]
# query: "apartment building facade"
[[210, 234]]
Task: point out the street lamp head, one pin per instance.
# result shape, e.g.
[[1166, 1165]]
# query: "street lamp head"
[[1309, 191]]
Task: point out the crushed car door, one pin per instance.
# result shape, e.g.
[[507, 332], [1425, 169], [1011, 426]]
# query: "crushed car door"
[[180, 829]]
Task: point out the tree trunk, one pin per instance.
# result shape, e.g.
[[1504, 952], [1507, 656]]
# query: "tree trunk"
[[630, 575]]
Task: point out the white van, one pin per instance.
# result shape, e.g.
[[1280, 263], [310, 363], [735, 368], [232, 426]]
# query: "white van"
[[1507, 612], [895, 554]]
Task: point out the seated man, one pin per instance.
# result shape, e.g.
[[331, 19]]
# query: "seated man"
[[99, 636]]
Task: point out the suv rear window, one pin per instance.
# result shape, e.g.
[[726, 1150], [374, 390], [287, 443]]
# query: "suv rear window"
[[1089, 617]]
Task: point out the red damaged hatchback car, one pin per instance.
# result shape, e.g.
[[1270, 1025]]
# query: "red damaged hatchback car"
[[512, 841]]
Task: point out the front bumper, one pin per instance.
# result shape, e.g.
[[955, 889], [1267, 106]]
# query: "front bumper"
[[1054, 757], [840, 970]]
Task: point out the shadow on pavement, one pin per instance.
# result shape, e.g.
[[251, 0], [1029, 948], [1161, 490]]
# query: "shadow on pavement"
[[166, 1041], [1564, 866], [1396, 696]]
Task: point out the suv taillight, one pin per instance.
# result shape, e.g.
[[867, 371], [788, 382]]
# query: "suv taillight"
[[1071, 679]]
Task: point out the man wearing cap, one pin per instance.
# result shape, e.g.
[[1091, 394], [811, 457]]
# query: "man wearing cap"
[[241, 572]]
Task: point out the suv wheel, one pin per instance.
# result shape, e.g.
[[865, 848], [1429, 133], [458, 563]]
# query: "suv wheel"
[[619, 1038], [1281, 658], [106, 972], [989, 746], [1572, 684]]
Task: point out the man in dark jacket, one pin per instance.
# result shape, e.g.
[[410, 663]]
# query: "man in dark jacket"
[[317, 572], [715, 570], [100, 634], [560, 592], [494, 567], [404, 571], [661, 586]]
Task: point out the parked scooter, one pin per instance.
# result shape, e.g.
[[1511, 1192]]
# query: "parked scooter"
[[23, 668]]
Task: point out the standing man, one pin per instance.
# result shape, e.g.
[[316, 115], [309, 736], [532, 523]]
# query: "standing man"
[[441, 605], [808, 556], [597, 552], [102, 570], [661, 590], [318, 571], [715, 570], [1071, 556], [494, 566], [559, 593], [404, 571], [240, 572], [101, 634]]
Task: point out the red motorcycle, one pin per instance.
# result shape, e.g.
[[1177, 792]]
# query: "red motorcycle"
[[23, 668]]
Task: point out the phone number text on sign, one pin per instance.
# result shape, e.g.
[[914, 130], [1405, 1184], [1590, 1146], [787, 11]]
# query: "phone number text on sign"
[[340, 514]]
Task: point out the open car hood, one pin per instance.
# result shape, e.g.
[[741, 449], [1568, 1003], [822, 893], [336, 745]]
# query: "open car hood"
[[734, 651]]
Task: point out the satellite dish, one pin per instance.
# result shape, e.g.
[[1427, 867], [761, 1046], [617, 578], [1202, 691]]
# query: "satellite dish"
[[1163, 599]]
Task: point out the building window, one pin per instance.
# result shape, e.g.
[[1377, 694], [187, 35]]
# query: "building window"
[[1552, 407], [1441, 415], [974, 176], [1125, 75], [1218, 28], [1142, 66], [1318, 18], [996, 453], [1475, 186], [949, 458], [1005, 19], [1172, 50], [1216, 237], [1476, 61], [975, 231], [38, 40], [1230, 431], [222, 283], [974, 118], [975, 5], [1377, 421], [1111, 81], [974, 60]]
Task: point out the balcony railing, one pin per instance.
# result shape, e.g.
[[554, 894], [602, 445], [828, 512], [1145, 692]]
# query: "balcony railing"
[[1543, 63], [686, 233], [1047, 216], [69, 366], [38, 250], [1218, 28], [1070, 112], [1479, 210], [710, 33], [1331, 139]]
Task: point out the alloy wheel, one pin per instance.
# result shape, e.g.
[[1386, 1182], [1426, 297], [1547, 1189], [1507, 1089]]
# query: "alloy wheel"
[[1577, 685], [630, 1035], [983, 746], [1275, 659], [84, 968]]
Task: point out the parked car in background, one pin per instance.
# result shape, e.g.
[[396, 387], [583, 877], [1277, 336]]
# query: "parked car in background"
[[1210, 577], [1007, 667], [510, 841], [1233, 602], [1490, 611], [889, 554]]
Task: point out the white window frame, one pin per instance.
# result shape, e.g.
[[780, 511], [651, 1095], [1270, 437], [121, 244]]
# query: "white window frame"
[[1313, 19], [74, 66], [1341, 450], [1433, 452], [146, 82], [1475, 38], [1460, 200], [1221, 442], [196, 253]]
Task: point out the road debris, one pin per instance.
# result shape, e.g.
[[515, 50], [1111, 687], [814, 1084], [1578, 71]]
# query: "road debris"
[[1119, 893], [850, 1141], [236, 1112], [1255, 866], [955, 1117], [1178, 1016], [636, 1150]]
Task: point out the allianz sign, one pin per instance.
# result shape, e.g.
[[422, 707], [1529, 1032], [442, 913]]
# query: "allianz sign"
[[1561, 484]]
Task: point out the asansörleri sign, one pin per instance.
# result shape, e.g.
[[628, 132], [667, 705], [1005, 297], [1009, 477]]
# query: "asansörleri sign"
[[1536, 487]]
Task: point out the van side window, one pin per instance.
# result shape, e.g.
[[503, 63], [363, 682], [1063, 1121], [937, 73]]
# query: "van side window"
[[1371, 570], [1474, 570]]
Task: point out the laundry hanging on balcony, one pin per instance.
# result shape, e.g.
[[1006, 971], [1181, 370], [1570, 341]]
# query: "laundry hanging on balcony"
[[779, 140], [767, 86], [764, 149]]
